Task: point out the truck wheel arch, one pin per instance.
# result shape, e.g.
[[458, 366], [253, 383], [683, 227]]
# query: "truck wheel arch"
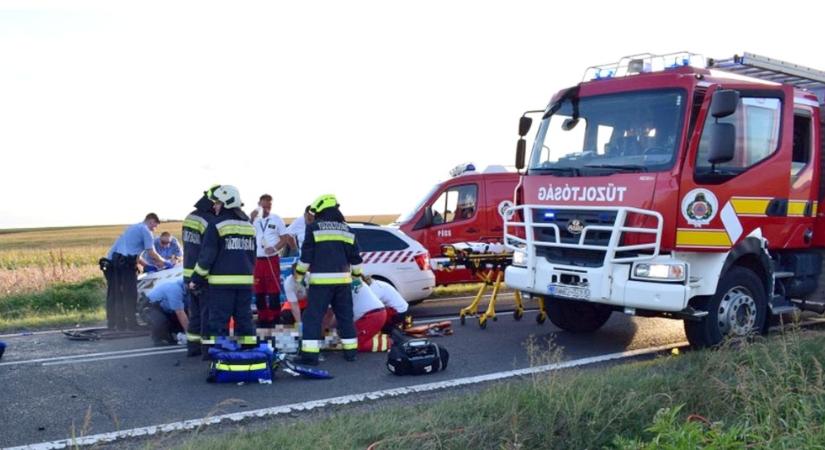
[[751, 255]]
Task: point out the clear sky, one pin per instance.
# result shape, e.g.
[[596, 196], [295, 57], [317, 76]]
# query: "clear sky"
[[109, 110]]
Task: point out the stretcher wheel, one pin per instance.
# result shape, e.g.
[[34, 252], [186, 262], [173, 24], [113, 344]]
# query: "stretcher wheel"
[[495, 318], [461, 319], [482, 323], [518, 314], [541, 318]]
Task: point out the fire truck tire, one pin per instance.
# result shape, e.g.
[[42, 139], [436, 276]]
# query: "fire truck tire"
[[577, 317], [737, 309]]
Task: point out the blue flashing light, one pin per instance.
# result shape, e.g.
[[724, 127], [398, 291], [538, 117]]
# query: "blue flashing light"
[[604, 217], [549, 215]]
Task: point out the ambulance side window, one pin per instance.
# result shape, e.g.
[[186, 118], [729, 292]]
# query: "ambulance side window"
[[757, 121], [455, 204]]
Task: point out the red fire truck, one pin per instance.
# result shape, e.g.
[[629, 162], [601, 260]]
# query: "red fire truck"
[[675, 186], [464, 208]]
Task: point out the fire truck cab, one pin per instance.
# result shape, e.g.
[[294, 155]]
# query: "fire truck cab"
[[464, 208], [676, 186]]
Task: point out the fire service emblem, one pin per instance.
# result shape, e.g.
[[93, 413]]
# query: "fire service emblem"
[[699, 207], [575, 226]]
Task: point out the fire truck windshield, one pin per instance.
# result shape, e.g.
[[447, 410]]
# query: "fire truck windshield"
[[626, 132]]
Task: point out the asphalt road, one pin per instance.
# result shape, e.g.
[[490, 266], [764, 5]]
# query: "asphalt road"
[[52, 388]]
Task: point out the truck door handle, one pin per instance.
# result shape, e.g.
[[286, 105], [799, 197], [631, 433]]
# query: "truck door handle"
[[472, 230]]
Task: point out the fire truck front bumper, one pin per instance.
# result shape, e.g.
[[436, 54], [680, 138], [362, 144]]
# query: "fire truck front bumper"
[[658, 284]]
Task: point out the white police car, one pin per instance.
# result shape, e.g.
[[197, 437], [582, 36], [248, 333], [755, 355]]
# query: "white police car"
[[392, 256]]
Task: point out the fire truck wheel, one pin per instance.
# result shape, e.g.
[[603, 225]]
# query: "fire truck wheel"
[[737, 309], [577, 317]]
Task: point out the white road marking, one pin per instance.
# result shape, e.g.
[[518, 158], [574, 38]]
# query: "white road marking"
[[105, 358], [126, 353], [342, 400], [37, 333]]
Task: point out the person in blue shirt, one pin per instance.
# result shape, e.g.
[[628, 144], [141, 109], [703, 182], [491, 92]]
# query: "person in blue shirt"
[[168, 248], [168, 302], [121, 301]]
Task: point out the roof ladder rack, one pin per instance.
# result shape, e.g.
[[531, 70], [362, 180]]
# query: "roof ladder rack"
[[774, 70]]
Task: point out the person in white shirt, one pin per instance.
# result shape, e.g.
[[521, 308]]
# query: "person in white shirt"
[[296, 296], [393, 301], [297, 229], [270, 238]]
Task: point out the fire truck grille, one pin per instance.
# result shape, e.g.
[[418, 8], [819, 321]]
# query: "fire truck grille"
[[568, 222]]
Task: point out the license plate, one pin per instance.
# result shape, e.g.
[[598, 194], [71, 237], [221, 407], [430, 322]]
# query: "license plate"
[[577, 292]]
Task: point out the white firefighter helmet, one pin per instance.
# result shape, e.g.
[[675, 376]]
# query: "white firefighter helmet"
[[228, 195]]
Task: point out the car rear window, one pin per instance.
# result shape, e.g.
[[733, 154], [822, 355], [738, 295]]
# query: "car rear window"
[[377, 240]]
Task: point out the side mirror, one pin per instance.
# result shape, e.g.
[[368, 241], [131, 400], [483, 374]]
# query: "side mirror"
[[722, 143], [524, 124], [521, 149], [724, 103]]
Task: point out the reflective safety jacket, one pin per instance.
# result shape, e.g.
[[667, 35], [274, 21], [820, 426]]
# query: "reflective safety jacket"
[[227, 255], [330, 252], [194, 227]]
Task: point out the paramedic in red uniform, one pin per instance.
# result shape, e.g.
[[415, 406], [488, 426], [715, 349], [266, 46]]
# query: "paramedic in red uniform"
[[270, 237]]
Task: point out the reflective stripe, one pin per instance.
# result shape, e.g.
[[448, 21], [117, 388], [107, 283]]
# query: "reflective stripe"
[[796, 208], [209, 340], [248, 340], [240, 367], [750, 206], [330, 278], [191, 337], [188, 272], [235, 227], [333, 236], [195, 222], [702, 238], [356, 269], [380, 343], [302, 267], [200, 270], [230, 279], [349, 343], [310, 346]]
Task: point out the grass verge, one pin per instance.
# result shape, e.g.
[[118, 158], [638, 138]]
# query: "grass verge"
[[59, 304], [769, 394]]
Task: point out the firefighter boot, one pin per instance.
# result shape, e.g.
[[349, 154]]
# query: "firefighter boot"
[[307, 359], [350, 355]]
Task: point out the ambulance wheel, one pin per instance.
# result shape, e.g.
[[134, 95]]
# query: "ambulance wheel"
[[576, 316], [737, 309], [518, 314], [143, 311]]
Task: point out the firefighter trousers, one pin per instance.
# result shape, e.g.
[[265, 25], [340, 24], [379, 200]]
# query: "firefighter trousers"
[[198, 317], [225, 303], [321, 297]]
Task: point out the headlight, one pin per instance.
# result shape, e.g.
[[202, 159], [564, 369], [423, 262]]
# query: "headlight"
[[660, 272], [519, 258]]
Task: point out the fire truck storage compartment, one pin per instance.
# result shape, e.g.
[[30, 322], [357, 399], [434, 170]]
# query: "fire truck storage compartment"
[[806, 267]]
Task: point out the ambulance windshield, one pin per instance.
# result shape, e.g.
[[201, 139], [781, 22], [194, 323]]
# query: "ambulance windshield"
[[408, 216], [626, 132]]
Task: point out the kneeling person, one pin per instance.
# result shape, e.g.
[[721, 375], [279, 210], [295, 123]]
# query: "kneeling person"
[[370, 316], [167, 311]]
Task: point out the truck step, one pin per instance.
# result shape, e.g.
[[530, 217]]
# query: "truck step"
[[783, 275], [779, 310], [817, 307]]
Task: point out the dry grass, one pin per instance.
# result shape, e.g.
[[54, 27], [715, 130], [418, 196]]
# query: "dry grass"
[[35, 279]]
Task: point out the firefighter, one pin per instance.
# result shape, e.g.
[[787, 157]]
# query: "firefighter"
[[225, 266], [194, 226], [330, 253]]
